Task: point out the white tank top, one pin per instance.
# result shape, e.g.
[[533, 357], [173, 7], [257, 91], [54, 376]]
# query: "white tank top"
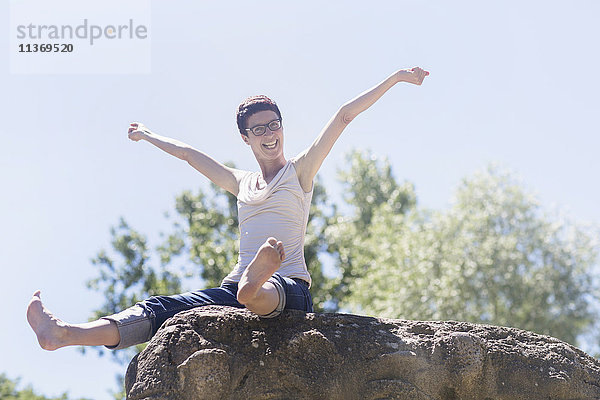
[[279, 209]]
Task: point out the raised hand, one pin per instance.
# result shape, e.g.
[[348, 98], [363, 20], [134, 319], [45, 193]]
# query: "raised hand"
[[137, 131], [413, 75]]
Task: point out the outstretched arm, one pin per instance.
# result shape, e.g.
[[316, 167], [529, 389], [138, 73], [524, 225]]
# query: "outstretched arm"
[[309, 161], [223, 176]]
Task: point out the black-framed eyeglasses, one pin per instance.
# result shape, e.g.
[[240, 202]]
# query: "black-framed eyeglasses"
[[260, 130]]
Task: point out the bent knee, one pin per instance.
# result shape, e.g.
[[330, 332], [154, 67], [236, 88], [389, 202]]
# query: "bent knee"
[[244, 295]]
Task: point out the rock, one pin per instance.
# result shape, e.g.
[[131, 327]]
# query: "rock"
[[228, 353]]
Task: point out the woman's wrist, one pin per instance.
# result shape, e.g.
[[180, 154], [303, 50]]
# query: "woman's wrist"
[[401, 75], [147, 134]]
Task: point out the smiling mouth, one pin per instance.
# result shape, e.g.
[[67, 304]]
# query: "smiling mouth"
[[271, 145]]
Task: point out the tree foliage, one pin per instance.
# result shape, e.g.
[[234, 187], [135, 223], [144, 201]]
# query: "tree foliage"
[[9, 391], [368, 185], [494, 256]]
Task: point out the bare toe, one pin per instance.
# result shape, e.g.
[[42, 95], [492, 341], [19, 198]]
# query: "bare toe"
[[281, 251]]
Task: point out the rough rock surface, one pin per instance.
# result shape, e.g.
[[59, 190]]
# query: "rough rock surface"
[[227, 353]]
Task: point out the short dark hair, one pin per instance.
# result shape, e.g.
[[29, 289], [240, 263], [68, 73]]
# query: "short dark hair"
[[252, 105]]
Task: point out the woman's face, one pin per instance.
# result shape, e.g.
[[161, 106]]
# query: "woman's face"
[[268, 146]]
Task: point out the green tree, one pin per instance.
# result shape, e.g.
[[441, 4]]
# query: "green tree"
[[368, 185], [493, 257], [9, 391]]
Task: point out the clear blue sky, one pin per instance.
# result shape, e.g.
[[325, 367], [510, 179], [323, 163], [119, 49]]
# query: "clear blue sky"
[[514, 82]]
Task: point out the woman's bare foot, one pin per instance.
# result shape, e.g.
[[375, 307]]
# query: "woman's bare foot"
[[266, 262], [51, 332]]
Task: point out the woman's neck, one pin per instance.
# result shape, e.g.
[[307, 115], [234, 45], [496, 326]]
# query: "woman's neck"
[[270, 168]]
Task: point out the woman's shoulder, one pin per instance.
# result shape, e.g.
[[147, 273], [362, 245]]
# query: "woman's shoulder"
[[305, 183]]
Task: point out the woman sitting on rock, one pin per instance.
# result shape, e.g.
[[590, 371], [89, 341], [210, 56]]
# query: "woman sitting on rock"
[[273, 206]]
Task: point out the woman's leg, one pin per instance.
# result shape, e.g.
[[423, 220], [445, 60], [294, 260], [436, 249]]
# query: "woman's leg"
[[134, 325], [52, 333], [295, 294], [260, 290], [256, 291]]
